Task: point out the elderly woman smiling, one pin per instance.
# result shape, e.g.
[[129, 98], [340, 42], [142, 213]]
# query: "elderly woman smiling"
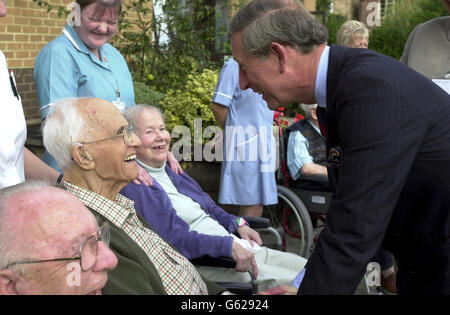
[[181, 212]]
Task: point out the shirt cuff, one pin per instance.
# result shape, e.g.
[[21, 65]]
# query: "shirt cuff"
[[298, 279]]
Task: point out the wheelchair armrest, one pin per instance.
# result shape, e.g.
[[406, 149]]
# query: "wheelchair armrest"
[[319, 178], [208, 261], [257, 222], [226, 262]]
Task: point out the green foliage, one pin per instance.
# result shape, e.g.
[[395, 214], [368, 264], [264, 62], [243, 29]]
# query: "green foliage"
[[333, 24], [164, 49], [182, 106], [323, 5], [143, 94], [61, 10], [391, 36]]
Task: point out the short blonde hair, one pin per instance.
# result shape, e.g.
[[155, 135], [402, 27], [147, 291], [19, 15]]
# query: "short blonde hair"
[[351, 30]]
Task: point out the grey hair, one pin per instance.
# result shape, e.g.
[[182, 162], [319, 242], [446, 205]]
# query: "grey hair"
[[306, 109], [61, 129], [132, 113], [266, 21], [256, 9], [350, 30], [9, 232]]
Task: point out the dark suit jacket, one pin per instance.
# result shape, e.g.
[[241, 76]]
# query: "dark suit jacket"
[[393, 183]]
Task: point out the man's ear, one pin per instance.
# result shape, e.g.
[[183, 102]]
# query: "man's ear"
[[281, 54], [82, 157], [8, 282]]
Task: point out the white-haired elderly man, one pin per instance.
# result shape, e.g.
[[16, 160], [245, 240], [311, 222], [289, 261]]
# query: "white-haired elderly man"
[[96, 148], [50, 243]]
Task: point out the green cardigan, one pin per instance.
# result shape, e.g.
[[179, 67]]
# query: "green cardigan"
[[135, 272]]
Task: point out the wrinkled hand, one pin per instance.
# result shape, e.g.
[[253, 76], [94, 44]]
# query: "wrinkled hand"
[[247, 233], [143, 177], [283, 289], [174, 164], [244, 259]]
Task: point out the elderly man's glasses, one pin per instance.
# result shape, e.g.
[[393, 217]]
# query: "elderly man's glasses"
[[87, 253], [127, 134]]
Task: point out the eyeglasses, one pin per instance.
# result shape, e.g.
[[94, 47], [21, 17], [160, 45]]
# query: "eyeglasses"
[[127, 135], [87, 253]]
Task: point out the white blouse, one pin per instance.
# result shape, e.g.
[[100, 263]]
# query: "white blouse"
[[13, 131]]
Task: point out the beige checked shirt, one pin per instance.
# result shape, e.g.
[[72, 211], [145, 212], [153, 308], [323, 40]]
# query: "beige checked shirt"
[[178, 275]]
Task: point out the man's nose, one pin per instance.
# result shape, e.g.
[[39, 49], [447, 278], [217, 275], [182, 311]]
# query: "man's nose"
[[106, 259]]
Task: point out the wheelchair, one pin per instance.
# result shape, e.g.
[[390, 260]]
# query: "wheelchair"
[[257, 223], [299, 216]]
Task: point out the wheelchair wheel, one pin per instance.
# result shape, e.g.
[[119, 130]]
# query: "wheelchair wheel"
[[291, 220]]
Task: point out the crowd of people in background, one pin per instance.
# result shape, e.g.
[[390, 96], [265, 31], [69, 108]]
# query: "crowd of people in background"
[[108, 210]]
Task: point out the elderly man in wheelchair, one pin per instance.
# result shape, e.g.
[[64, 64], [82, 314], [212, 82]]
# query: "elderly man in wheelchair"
[[303, 189], [307, 160], [306, 151]]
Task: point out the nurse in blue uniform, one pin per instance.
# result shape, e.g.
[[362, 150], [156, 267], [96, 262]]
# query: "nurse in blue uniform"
[[247, 175], [80, 62]]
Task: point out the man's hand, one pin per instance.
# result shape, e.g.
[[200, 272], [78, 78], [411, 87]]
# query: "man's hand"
[[283, 289], [143, 177], [244, 259], [247, 233]]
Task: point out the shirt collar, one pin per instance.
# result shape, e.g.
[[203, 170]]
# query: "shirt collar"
[[314, 126], [148, 168], [320, 90], [116, 211], [76, 41]]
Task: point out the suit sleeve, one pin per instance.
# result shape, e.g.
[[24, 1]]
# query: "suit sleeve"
[[380, 135]]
